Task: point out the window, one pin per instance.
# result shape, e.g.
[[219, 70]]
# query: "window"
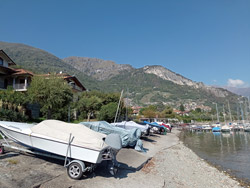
[[21, 81], [1, 61]]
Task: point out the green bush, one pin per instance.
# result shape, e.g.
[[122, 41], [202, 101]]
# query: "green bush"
[[10, 115]]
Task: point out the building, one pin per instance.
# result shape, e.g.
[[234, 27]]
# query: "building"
[[19, 79], [75, 84]]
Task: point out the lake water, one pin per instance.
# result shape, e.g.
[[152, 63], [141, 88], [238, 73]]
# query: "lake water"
[[229, 151]]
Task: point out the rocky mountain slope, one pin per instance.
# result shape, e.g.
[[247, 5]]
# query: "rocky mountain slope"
[[167, 74], [97, 68], [104, 70], [239, 91]]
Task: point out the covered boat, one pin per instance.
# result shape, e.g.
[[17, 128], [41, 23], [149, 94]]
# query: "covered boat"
[[156, 127], [131, 125], [216, 129], [69, 140], [129, 138]]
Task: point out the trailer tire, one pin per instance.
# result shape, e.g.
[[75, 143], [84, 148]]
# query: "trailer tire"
[[75, 171], [1, 150]]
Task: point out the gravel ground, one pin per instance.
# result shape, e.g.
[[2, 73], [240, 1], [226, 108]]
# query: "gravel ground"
[[171, 166]]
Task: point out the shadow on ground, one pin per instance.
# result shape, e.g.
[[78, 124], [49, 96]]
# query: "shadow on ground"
[[102, 170]]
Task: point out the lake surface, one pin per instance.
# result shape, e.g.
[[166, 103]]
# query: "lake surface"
[[229, 151]]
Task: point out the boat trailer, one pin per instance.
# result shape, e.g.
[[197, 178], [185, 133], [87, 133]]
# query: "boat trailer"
[[75, 168]]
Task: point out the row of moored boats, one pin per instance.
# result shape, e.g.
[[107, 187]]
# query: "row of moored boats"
[[220, 127]]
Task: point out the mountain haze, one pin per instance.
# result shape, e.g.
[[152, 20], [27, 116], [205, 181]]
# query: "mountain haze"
[[239, 91]]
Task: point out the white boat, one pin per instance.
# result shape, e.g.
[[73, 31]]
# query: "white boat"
[[72, 141], [131, 125], [206, 128], [225, 128]]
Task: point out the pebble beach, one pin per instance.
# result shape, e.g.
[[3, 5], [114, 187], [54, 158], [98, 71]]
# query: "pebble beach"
[[171, 165]]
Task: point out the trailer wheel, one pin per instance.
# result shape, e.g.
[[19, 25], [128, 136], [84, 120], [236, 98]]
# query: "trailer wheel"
[[75, 171], [1, 150]]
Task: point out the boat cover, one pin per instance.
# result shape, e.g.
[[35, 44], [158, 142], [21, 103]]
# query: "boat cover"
[[128, 137], [130, 125], [154, 124], [216, 129], [157, 127], [60, 130]]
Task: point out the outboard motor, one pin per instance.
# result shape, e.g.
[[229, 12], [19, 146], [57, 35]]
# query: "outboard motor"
[[115, 142]]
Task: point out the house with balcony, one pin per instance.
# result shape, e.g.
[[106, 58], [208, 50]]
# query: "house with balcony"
[[19, 79], [73, 82]]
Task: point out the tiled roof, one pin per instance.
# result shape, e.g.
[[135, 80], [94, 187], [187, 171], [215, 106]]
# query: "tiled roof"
[[66, 76], [22, 72]]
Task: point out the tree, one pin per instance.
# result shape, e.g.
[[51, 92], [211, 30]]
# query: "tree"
[[89, 105], [12, 105], [53, 95], [198, 110], [182, 108], [149, 112], [108, 112], [160, 106]]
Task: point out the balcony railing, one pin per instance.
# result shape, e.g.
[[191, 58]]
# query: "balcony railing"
[[20, 87]]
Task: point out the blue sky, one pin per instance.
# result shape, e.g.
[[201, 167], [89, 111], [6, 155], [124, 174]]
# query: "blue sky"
[[204, 40]]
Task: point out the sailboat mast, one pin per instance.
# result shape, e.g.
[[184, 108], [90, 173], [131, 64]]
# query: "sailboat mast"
[[218, 120], [229, 112], [118, 107], [224, 115], [246, 109], [242, 113]]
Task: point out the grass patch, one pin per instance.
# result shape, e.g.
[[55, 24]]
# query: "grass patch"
[[13, 161]]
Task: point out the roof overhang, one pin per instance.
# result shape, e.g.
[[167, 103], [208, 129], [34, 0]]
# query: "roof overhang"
[[7, 58], [6, 70], [79, 84]]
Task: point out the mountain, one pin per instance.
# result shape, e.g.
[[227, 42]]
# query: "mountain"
[[104, 70], [97, 68], [147, 85], [239, 91], [40, 61]]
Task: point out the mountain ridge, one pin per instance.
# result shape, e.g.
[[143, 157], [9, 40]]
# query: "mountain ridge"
[[146, 85], [97, 68]]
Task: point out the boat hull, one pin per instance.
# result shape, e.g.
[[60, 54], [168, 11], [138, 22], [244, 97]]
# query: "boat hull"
[[247, 130], [53, 146], [225, 130]]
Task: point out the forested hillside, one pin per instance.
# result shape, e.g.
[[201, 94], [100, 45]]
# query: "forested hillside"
[[147, 85]]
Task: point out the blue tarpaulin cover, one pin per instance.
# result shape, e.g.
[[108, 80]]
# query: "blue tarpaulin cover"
[[154, 124], [216, 129]]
